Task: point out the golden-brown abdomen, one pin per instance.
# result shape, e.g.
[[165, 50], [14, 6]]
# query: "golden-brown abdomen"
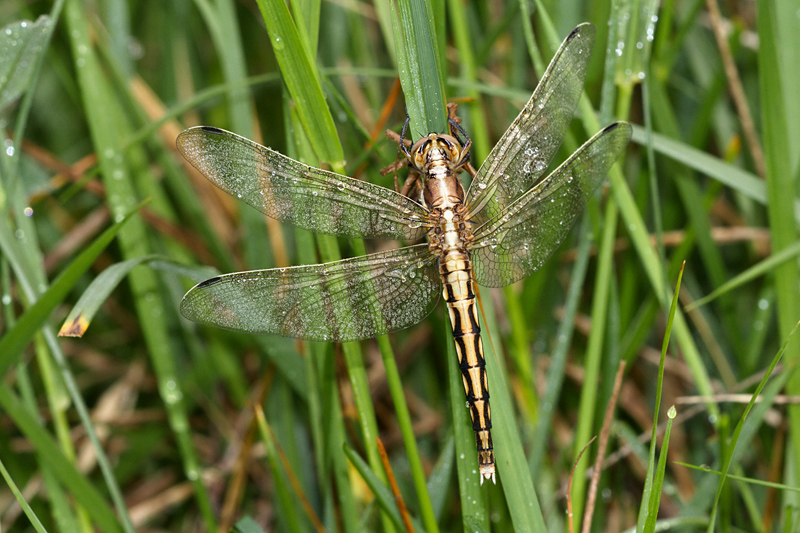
[[455, 268]]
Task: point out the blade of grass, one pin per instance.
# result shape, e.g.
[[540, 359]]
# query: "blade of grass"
[[382, 493], [759, 269], [731, 454], [418, 66], [518, 487], [647, 508], [640, 238], [658, 481], [587, 410], [64, 469], [478, 128], [78, 320], [732, 176], [27, 101], [439, 480], [303, 81], [16, 339], [35, 522], [282, 477], [781, 186], [329, 251], [108, 132], [21, 43], [558, 359], [749, 480]]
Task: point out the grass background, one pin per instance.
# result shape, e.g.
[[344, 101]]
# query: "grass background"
[[147, 422]]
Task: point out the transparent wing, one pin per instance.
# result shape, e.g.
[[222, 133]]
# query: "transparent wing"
[[344, 300], [526, 148], [519, 240], [307, 197]]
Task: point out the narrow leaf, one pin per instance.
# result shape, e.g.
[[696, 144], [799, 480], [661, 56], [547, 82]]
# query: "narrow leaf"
[[77, 322], [20, 43], [15, 340]]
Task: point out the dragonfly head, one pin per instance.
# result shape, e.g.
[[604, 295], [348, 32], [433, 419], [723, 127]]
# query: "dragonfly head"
[[436, 150]]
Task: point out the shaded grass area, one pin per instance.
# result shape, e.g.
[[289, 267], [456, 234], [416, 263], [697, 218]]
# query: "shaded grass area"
[[147, 421]]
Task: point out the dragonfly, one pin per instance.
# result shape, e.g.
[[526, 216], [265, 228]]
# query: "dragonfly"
[[503, 228]]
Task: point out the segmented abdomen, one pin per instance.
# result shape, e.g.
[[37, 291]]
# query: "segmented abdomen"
[[455, 268]]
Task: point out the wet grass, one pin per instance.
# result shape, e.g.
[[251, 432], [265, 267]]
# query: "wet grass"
[[147, 421]]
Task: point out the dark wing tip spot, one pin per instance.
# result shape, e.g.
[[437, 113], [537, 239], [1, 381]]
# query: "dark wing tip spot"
[[584, 27], [622, 125], [619, 124], [212, 129], [209, 282]]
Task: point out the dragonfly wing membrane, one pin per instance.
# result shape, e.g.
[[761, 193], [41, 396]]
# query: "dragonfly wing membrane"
[[529, 144], [519, 240], [297, 194], [345, 300]]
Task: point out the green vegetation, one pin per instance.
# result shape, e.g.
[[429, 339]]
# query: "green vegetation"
[[149, 421]]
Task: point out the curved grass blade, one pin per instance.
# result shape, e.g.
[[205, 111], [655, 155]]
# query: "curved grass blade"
[[382, 494], [64, 469], [731, 454], [731, 176], [20, 44], [759, 269], [645, 510], [38, 526], [77, 322], [15, 340], [302, 78], [658, 482]]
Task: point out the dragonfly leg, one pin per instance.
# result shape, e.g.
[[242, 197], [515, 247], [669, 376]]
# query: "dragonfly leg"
[[412, 182], [403, 146], [466, 142]]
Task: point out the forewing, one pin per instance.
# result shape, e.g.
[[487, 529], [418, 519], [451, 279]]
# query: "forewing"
[[529, 144], [344, 300], [297, 194], [518, 241]]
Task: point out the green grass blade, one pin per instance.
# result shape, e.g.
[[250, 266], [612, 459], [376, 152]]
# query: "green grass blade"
[[382, 494], [658, 482], [518, 488], [14, 341], [78, 320], [557, 370], [407, 432], [590, 392], [732, 454], [648, 510], [64, 469], [303, 81], [759, 269], [26, 508], [749, 480], [108, 132], [781, 183], [732, 176], [418, 66], [20, 45]]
